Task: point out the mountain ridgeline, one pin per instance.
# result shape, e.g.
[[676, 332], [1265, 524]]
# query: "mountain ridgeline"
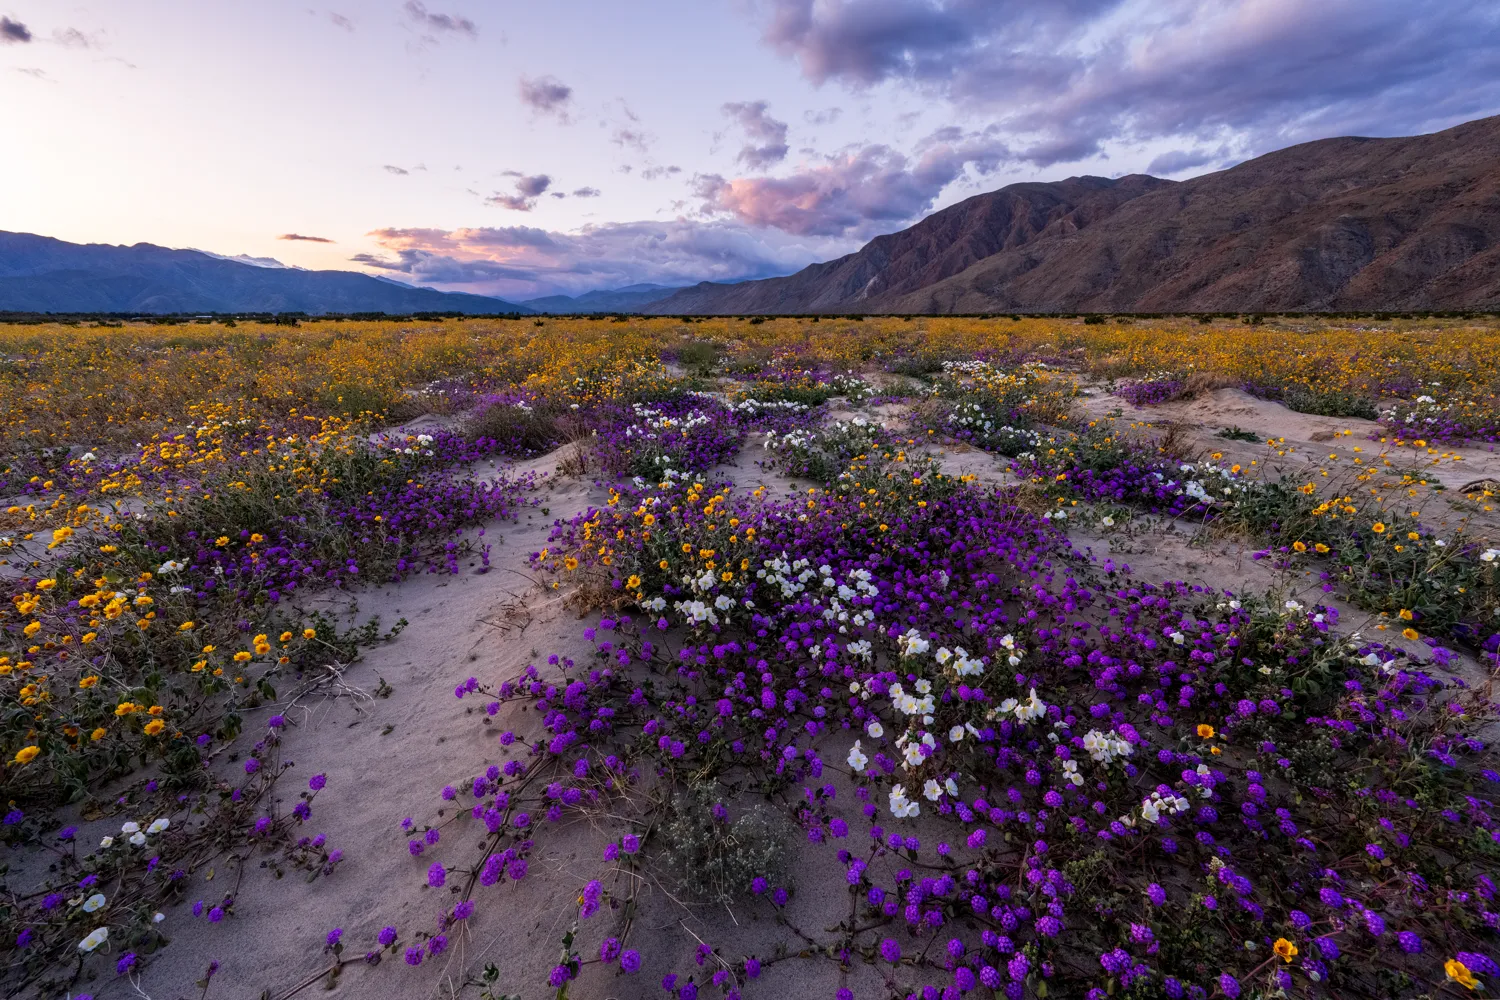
[[39, 274], [1338, 225]]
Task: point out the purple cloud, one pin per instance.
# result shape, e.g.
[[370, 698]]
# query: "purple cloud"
[[308, 239], [767, 145], [521, 260], [868, 190], [528, 190], [457, 24], [586, 192], [547, 95], [1178, 160], [13, 31], [340, 21], [1066, 77]]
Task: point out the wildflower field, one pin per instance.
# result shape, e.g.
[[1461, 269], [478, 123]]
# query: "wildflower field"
[[835, 657]]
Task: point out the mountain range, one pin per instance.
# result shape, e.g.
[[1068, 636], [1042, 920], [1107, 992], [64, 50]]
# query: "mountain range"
[[1337, 224], [41, 274], [1347, 224], [631, 298]]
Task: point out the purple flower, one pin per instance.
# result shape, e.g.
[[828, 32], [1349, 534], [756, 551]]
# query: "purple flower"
[[387, 937], [630, 961], [125, 964], [1410, 942], [436, 875], [890, 950], [414, 956], [317, 781], [752, 968], [1229, 986], [333, 937]]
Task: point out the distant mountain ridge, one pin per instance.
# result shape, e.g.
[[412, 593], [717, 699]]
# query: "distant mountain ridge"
[[42, 274], [1337, 224], [631, 298]]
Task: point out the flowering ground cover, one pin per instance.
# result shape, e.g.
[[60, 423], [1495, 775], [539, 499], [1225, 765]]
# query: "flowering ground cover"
[[930, 709]]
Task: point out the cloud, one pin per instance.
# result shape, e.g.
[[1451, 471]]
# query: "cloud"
[[528, 189], [454, 23], [73, 38], [767, 146], [402, 171], [825, 117], [636, 139], [861, 192], [547, 95], [34, 71], [13, 31], [586, 192], [521, 260], [1178, 160], [533, 186], [307, 239], [656, 173], [340, 21], [1063, 79]]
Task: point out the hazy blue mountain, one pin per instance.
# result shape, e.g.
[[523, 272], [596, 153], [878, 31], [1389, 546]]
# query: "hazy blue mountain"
[[630, 298], [41, 274]]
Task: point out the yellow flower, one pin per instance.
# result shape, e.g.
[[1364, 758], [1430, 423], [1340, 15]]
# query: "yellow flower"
[[1411, 634], [185, 627], [662, 565], [285, 637], [1460, 974], [1205, 731], [89, 681], [154, 726], [25, 755], [198, 667], [309, 633], [1378, 527], [97, 734], [1320, 549], [262, 648], [1405, 614], [633, 582], [124, 708], [32, 629], [88, 637], [570, 564], [1285, 949], [241, 656], [1300, 546], [209, 649], [649, 520], [45, 584]]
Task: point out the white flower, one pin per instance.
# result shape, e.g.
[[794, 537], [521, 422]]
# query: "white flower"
[[130, 827], [932, 790], [955, 734], [857, 758], [913, 754], [96, 937], [1178, 638], [107, 842], [1489, 555], [94, 902], [157, 826], [875, 730], [170, 566], [951, 786], [158, 917], [901, 806], [1107, 521], [137, 839]]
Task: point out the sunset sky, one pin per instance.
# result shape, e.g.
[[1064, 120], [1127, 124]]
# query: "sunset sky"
[[523, 148]]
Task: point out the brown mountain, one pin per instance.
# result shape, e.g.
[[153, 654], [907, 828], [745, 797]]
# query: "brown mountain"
[[1337, 224]]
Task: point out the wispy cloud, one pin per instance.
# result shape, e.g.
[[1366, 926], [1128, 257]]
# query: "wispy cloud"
[[547, 95], [452, 23], [528, 190], [586, 192], [390, 169], [74, 39], [767, 146], [305, 239], [340, 21]]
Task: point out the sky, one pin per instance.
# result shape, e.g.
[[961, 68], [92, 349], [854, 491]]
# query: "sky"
[[527, 148]]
